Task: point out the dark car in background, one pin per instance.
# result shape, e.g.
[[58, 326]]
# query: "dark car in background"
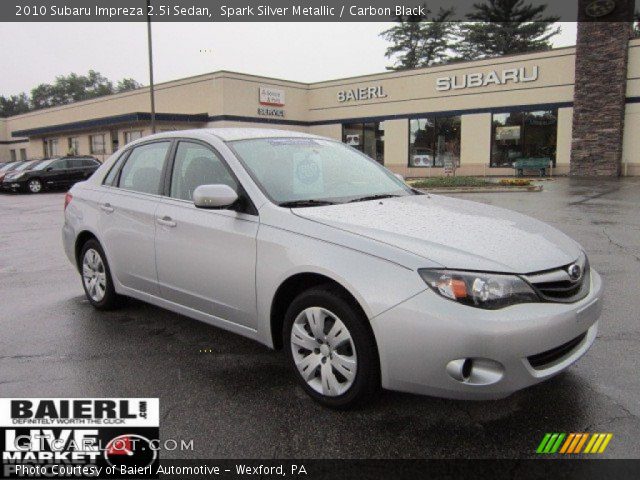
[[50, 174]]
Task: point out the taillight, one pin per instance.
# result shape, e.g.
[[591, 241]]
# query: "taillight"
[[67, 199]]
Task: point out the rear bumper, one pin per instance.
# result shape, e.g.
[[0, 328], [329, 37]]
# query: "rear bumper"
[[68, 242], [424, 339]]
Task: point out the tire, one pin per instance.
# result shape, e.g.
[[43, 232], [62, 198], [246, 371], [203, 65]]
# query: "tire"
[[101, 295], [333, 358], [34, 185]]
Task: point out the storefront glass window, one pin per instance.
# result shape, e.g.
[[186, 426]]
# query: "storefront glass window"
[[523, 135], [74, 145], [131, 136], [366, 137], [51, 147], [434, 141], [97, 143]]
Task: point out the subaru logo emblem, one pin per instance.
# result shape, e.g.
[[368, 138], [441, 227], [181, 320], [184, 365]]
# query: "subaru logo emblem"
[[575, 272]]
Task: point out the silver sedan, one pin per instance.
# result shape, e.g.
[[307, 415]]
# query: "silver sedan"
[[302, 243]]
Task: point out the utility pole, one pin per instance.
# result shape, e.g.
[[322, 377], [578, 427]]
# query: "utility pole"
[[151, 89]]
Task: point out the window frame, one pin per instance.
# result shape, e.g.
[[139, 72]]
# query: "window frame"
[[124, 158], [104, 144], [48, 147], [23, 154], [435, 119], [523, 133], [127, 133], [249, 208], [14, 155]]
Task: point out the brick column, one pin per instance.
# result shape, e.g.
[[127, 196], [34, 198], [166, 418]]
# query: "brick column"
[[600, 90]]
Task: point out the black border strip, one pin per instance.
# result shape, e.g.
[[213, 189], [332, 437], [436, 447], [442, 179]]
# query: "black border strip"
[[107, 121], [12, 142], [400, 116]]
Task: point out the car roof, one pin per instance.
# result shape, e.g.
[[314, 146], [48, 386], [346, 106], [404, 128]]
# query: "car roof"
[[232, 134]]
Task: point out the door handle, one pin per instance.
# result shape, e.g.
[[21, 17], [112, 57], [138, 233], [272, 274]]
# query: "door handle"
[[107, 207], [166, 221]]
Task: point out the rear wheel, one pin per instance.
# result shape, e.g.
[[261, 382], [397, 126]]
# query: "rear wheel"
[[34, 185], [331, 348], [96, 277]]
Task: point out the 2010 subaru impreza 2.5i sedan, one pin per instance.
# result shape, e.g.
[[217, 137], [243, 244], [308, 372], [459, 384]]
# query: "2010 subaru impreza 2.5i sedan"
[[305, 244]]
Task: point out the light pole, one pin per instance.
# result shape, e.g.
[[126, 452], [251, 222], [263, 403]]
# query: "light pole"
[[151, 89]]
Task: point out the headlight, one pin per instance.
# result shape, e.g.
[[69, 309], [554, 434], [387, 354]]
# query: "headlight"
[[482, 290]]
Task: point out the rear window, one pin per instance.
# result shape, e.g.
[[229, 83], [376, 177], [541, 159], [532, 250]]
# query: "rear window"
[[142, 171]]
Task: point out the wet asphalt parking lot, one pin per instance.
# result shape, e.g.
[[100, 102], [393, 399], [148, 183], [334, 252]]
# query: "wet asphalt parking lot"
[[241, 401]]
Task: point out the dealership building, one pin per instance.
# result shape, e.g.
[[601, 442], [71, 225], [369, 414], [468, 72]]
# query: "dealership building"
[[578, 106]]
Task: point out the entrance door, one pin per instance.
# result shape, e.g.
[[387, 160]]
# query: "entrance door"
[[366, 137]]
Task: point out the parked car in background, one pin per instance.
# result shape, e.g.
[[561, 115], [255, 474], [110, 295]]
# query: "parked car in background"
[[303, 243], [17, 171], [7, 167], [51, 174]]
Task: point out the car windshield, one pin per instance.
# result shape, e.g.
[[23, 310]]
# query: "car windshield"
[[310, 171], [42, 165]]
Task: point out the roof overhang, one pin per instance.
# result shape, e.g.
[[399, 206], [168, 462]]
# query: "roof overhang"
[[93, 123]]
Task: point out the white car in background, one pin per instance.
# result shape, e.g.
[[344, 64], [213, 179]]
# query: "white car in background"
[[301, 242]]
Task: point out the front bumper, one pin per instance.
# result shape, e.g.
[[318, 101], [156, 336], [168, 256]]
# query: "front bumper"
[[420, 338], [13, 185]]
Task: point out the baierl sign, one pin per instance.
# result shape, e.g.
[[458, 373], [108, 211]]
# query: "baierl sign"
[[482, 79]]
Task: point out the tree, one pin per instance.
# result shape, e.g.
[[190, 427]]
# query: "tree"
[[419, 43], [502, 27], [66, 89], [14, 105], [127, 84]]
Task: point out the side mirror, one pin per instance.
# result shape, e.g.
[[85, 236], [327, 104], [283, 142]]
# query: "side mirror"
[[214, 196], [399, 177], [48, 169]]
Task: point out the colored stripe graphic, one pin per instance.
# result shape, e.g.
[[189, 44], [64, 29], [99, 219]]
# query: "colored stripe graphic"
[[574, 443], [550, 443]]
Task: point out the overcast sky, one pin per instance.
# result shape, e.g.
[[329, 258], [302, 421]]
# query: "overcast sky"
[[308, 52]]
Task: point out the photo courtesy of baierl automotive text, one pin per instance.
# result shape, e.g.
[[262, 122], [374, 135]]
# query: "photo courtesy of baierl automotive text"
[[318, 240]]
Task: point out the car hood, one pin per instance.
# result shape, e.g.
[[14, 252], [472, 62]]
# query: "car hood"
[[454, 233]]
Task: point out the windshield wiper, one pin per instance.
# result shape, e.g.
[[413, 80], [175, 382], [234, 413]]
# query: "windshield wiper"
[[374, 197], [305, 203]]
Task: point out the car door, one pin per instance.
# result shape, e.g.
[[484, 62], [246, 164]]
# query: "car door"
[[74, 172], [127, 218], [206, 258], [54, 174]]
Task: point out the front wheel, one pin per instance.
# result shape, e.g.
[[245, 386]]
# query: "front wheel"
[[96, 277], [331, 348], [34, 185]]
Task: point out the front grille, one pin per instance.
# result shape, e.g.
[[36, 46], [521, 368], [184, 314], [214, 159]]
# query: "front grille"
[[543, 360], [557, 286]]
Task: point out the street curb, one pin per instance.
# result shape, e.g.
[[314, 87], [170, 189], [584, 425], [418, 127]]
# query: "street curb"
[[531, 188]]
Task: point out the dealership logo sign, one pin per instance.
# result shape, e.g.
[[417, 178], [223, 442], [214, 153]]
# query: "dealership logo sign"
[[600, 8], [271, 97], [79, 437], [481, 79], [362, 93]]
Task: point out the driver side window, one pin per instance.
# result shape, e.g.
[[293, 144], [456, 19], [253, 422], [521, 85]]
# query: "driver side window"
[[197, 165]]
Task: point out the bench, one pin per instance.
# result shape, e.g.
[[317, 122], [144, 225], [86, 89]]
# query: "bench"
[[541, 164]]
